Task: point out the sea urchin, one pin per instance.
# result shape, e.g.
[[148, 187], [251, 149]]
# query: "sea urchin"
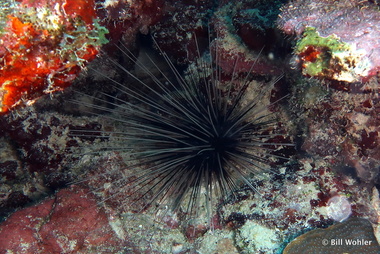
[[191, 136]]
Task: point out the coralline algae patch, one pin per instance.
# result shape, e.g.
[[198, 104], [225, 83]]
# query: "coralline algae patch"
[[37, 154], [337, 40], [44, 45], [340, 127]]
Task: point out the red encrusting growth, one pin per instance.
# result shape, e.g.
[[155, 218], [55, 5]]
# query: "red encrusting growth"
[[82, 8], [310, 54], [43, 55]]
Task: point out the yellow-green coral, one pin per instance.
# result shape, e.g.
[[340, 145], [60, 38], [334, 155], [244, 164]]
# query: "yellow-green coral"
[[312, 38], [330, 57]]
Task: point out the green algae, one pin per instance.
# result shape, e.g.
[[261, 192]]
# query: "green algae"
[[323, 47], [312, 37], [330, 57]]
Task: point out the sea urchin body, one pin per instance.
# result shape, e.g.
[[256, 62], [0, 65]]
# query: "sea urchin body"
[[193, 136]]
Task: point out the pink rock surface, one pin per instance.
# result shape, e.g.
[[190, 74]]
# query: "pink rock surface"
[[70, 222]]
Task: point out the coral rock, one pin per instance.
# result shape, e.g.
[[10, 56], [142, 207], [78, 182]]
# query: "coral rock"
[[353, 236]]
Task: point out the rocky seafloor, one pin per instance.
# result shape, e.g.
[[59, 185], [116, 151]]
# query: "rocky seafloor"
[[56, 196]]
